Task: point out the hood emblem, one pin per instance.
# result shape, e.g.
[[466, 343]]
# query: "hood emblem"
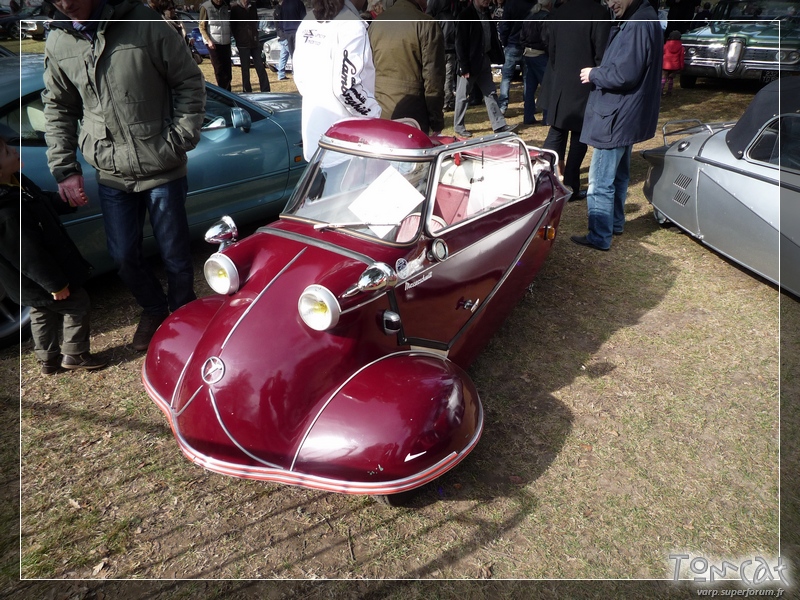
[[213, 370]]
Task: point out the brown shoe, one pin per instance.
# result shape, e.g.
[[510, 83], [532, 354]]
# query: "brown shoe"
[[51, 365], [148, 325], [82, 362]]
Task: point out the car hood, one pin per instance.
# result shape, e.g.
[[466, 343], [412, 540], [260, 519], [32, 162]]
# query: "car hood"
[[278, 373], [275, 102], [755, 33]]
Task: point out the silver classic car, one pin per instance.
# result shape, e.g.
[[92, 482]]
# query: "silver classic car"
[[736, 187]]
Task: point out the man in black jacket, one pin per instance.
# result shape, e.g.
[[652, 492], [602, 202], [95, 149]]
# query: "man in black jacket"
[[244, 28], [443, 11], [477, 47], [577, 33]]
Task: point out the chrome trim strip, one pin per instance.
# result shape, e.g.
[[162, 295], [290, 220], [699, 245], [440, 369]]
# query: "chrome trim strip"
[[257, 298], [231, 438], [180, 412], [179, 383], [337, 390], [299, 237]]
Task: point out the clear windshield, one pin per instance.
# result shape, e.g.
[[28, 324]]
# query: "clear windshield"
[[369, 195]]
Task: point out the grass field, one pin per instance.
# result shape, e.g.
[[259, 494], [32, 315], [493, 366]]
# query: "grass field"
[[632, 403]]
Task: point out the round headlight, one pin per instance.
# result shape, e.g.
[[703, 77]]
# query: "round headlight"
[[221, 274], [318, 308]]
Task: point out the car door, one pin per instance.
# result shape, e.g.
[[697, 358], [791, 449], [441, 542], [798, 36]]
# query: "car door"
[[236, 170], [488, 211], [738, 207], [239, 171]]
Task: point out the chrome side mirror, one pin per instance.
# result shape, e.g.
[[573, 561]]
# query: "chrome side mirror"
[[224, 232], [376, 278], [241, 118]]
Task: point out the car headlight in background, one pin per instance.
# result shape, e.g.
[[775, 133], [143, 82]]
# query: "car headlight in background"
[[318, 308], [788, 56], [221, 274]]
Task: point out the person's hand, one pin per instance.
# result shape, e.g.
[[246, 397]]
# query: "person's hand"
[[61, 294], [585, 74], [209, 44], [465, 75], [72, 192]]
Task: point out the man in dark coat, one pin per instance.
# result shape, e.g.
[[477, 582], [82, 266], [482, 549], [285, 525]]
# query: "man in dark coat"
[[622, 110], [477, 47], [444, 12], [244, 28], [681, 13], [577, 33]]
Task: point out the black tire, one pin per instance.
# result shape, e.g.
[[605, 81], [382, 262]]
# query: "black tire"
[[16, 32], [688, 81], [396, 500]]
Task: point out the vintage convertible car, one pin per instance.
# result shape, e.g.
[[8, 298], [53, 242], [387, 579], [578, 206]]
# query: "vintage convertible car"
[[247, 162], [736, 187], [333, 354], [745, 39]]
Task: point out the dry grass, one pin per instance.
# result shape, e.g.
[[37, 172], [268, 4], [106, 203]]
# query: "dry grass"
[[631, 411]]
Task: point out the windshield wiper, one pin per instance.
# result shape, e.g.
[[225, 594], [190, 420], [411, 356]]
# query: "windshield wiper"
[[353, 225]]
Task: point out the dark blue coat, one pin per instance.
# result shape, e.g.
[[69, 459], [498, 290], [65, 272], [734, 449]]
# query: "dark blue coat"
[[626, 88]]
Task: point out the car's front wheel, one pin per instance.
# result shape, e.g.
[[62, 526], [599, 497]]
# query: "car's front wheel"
[[661, 218], [688, 81], [16, 32], [396, 500]]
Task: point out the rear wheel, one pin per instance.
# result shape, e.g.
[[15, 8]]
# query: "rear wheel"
[[688, 81]]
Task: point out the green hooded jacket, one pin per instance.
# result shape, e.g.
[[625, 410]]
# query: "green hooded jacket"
[[130, 97]]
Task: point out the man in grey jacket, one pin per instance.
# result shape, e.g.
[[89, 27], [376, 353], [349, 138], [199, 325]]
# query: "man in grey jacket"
[[622, 110], [122, 86]]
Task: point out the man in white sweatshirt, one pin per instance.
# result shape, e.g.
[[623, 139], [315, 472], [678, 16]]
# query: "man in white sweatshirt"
[[333, 69]]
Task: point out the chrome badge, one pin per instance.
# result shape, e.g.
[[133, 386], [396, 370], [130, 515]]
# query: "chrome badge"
[[213, 370]]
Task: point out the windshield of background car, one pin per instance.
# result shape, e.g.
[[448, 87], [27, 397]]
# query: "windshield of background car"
[[365, 194], [760, 9]]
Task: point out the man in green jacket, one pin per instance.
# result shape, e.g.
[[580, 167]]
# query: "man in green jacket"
[[408, 53], [122, 86]]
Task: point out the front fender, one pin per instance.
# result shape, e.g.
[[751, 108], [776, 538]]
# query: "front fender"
[[396, 424]]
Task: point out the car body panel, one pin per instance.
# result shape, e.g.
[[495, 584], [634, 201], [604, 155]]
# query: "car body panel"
[[245, 171], [359, 407], [718, 185], [737, 45]]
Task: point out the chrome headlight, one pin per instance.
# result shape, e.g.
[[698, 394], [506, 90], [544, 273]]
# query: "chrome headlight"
[[318, 308], [221, 274]]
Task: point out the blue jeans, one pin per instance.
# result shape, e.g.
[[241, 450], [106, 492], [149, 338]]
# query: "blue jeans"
[[513, 55], [534, 75], [124, 214], [609, 174], [283, 58]]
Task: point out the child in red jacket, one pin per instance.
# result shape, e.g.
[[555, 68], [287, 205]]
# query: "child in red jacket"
[[673, 61]]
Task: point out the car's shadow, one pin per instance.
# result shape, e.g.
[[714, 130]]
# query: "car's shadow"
[[554, 336]]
